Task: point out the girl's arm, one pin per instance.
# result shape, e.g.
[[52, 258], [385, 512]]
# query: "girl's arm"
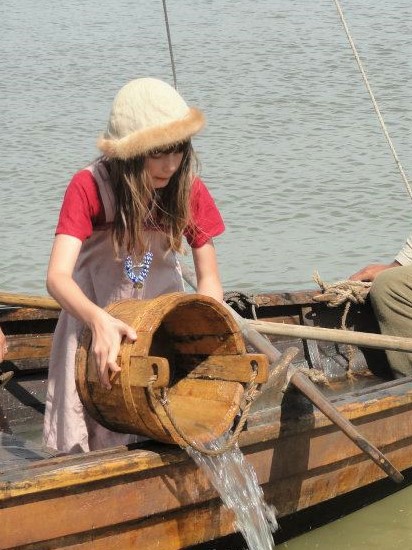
[[207, 273], [107, 332]]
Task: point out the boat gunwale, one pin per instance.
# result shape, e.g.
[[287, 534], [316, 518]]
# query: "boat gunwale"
[[96, 466]]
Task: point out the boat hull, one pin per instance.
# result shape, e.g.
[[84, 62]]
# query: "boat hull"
[[153, 496]]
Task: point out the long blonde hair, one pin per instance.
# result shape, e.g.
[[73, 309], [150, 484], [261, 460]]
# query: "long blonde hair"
[[138, 206]]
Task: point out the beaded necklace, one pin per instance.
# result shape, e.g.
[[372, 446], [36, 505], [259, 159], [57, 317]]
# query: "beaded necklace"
[[138, 278]]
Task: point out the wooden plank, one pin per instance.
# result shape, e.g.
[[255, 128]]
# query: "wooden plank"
[[142, 370], [174, 532], [279, 299], [238, 368], [205, 344], [30, 315], [27, 300], [31, 346]]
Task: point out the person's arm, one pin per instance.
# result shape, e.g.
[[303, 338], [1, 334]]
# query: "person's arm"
[[107, 332], [369, 272], [3, 346], [207, 273]]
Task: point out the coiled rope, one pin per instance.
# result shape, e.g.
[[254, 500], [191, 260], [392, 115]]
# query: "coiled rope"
[[343, 292]]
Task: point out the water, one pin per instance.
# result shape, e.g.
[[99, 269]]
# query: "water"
[[384, 524], [236, 482], [293, 152]]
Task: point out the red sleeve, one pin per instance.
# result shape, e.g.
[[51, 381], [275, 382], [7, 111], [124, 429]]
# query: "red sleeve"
[[206, 219], [82, 207]]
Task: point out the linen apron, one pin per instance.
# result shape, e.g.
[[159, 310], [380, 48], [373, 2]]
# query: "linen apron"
[[67, 425]]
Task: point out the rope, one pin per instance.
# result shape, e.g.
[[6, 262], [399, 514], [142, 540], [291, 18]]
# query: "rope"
[[374, 102], [315, 375], [169, 40], [5, 377], [343, 292], [240, 301], [250, 394]]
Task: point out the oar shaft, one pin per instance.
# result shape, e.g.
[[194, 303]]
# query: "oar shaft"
[[363, 339], [26, 300]]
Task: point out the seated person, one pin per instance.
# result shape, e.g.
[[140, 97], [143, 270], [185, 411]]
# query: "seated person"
[[391, 299]]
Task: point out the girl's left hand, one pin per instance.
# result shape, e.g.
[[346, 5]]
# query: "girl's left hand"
[[108, 334]]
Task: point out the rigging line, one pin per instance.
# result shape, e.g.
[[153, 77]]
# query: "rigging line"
[[169, 40], [376, 107]]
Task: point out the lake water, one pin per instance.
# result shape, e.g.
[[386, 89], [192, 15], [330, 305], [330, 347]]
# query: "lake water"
[[293, 152], [383, 525]]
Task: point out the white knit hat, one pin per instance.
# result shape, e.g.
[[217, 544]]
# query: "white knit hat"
[[148, 114]]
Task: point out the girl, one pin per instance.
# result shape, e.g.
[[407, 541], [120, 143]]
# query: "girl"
[[120, 227]]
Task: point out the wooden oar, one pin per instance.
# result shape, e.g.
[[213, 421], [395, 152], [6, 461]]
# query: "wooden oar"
[[27, 300], [300, 381], [363, 339]]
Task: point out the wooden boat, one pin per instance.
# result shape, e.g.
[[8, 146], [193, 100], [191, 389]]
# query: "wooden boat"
[[152, 495]]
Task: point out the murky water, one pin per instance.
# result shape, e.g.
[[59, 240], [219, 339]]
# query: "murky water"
[[293, 152], [382, 525]]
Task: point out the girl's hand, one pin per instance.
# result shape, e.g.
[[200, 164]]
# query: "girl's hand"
[[369, 272], [107, 334]]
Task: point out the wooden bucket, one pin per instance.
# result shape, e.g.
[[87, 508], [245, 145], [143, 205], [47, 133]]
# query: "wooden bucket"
[[189, 350]]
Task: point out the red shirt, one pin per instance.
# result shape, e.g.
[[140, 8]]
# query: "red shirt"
[[82, 211]]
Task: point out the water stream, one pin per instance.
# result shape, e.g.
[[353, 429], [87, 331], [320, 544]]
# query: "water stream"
[[235, 480]]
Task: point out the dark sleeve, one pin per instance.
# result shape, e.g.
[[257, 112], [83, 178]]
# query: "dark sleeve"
[[206, 221], [82, 207]]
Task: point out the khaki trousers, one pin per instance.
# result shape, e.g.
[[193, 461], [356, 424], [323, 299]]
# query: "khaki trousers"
[[391, 298]]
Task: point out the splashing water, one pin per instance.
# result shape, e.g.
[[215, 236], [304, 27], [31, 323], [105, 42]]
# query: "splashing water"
[[236, 482]]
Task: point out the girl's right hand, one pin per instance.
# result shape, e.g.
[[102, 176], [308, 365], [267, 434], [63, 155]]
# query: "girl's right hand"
[[107, 334]]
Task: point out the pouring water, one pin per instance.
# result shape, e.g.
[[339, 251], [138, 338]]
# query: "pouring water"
[[236, 482]]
